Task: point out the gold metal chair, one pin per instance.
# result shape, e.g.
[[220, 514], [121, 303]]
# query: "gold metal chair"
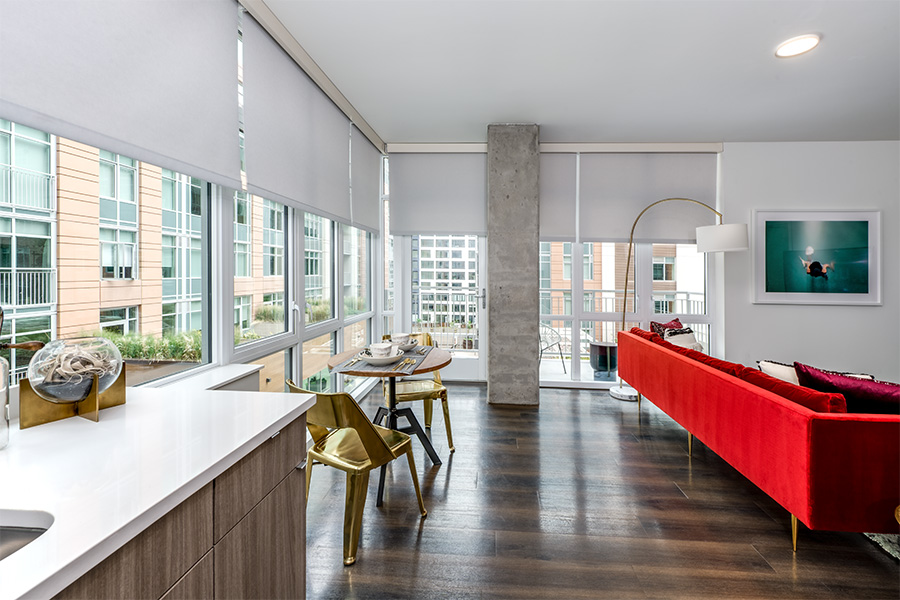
[[346, 440], [426, 390]]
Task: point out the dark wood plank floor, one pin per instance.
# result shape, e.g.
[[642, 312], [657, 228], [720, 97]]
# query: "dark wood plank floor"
[[581, 498]]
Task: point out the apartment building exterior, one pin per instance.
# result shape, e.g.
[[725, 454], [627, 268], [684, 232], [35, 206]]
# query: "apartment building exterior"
[[92, 241]]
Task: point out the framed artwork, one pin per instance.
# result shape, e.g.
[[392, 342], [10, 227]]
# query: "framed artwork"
[[817, 257]]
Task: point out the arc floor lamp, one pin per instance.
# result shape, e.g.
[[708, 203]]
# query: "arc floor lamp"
[[722, 237]]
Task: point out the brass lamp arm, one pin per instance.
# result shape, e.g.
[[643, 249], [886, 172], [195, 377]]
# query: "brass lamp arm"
[[631, 242]]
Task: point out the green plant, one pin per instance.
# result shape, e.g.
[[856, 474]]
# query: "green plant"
[[318, 310], [269, 314], [182, 346]]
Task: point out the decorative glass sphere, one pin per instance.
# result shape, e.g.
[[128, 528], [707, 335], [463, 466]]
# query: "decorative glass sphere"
[[63, 370]]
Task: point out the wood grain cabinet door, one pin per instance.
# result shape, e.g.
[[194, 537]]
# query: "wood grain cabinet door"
[[197, 584], [264, 555], [157, 558], [242, 486]]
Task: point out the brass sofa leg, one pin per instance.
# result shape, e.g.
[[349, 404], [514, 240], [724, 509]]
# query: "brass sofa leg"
[[690, 443], [794, 532], [639, 402]]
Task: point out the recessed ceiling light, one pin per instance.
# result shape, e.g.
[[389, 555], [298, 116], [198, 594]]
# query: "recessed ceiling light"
[[797, 45]]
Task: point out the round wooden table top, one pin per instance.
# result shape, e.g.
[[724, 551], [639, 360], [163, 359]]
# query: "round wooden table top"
[[436, 359]]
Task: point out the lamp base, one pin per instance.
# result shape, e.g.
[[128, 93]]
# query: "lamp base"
[[624, 393]]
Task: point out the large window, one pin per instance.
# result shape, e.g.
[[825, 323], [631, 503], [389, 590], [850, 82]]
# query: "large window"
[[118, 254], [25, 167], [122, 321]]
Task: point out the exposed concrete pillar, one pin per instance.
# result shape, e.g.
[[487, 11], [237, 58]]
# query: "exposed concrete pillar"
[[513, 264]]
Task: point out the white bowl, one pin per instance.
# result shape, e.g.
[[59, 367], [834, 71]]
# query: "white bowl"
[[380, 361], [381, 349], [408, 346]]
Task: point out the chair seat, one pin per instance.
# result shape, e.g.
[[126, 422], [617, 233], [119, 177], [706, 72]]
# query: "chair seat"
[[419, 389], [343, 449]]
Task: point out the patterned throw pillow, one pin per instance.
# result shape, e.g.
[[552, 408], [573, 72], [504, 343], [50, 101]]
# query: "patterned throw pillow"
[[660, 328], [683, 337]]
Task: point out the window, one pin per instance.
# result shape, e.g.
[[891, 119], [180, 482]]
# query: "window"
[[262, 293], [241, 316], [23, 329], [567, 260], [26, 176], [663, 268], [316, 352], [317, 268], [356, 271], [273, 238], [242, 264], [118, 253], [588, 261], [122, 321]]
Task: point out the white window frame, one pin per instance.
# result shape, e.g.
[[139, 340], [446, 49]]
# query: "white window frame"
[[130, 323]]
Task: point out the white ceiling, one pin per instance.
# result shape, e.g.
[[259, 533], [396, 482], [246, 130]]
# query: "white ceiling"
[[609, 71]]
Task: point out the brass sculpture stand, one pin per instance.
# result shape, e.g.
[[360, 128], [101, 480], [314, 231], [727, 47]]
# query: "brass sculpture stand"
[[34, 410]]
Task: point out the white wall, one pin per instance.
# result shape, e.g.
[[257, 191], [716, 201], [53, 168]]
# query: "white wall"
[[813, 175]]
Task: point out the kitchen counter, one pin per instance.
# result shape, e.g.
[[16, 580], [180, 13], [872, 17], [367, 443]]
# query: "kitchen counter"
[[105, 482]]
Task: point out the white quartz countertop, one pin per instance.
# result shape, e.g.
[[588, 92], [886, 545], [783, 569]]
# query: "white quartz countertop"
[[105, 482]]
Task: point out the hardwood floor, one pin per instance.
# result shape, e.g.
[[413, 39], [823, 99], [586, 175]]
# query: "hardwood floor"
[[581, 498]]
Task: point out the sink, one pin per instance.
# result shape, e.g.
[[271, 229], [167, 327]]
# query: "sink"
[[18, 528]]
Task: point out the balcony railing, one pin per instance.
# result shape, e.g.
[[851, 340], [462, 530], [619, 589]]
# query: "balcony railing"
[[25, 189], [27, 287]]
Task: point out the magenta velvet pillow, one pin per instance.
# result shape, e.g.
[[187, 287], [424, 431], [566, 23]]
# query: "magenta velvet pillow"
[[863, 395], [660, 328], [811, 399]]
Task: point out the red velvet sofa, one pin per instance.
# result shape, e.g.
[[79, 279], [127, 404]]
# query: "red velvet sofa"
[[833, 471]]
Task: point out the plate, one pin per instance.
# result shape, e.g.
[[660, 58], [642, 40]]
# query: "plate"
[[381, 360], [406, 347]]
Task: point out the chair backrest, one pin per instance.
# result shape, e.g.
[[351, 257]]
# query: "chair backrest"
[[549, 336], [340, 411]]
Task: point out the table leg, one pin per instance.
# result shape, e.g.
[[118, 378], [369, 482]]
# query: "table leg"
[[414, 427]]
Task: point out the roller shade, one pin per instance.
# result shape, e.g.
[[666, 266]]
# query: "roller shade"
[[296, 141], [155, 81], [558, 194], [615, 188], [438, 194], [365, 167]]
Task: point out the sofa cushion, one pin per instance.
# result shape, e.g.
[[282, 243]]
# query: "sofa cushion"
[[647, 335], [660, 328], [863, 395], [812, 399], [716, 363]]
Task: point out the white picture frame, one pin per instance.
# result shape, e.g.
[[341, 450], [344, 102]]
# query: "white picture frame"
[[838, 257]]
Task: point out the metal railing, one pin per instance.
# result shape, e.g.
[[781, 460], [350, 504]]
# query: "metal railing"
[[26, 189], [27, 287]]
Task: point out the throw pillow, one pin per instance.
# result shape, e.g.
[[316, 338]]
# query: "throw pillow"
[[779, 370], [684, 338], [863, 395], [660, 328], [811, 399]]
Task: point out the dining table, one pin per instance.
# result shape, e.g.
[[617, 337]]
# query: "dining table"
[[433, 360]]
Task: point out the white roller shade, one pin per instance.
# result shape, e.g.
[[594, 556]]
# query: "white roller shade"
[[615, 188], [156, 81], [365, 167], [558, 195], [296, 141], [438, 194]]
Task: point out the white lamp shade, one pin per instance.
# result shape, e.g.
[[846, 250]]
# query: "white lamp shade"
[[722, 238]]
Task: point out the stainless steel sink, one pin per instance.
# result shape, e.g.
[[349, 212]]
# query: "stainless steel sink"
[[18, 528]]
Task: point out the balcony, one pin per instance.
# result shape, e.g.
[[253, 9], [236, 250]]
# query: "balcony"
[[24, 189], [27, 287]]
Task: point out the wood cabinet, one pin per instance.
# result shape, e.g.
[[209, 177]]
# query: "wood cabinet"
[[241, 536]]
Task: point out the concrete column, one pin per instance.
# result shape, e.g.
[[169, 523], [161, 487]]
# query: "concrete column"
[[513, 264]]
